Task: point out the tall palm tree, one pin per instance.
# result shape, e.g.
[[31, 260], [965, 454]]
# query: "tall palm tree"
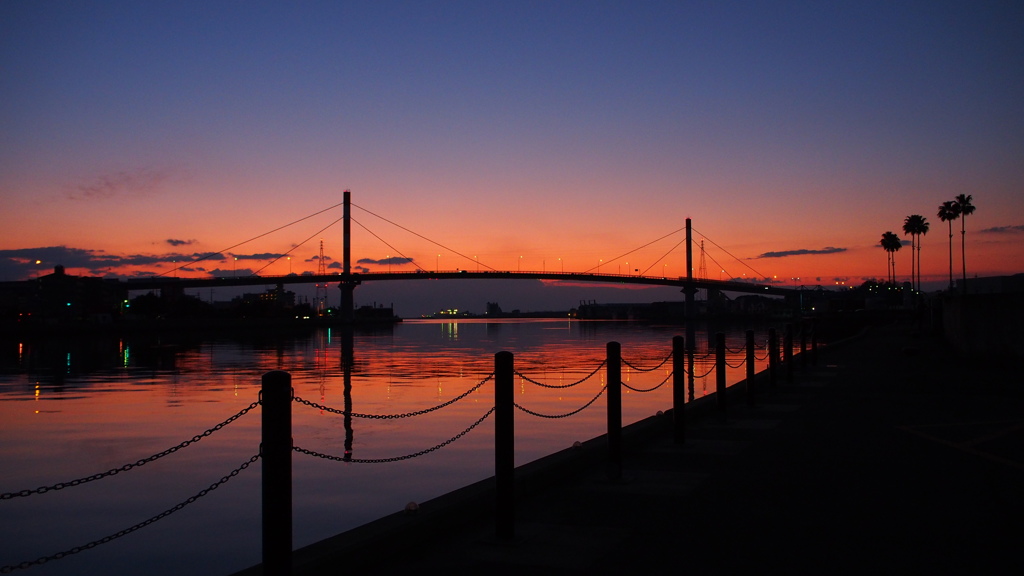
[[908, 228], [966, 208], [915, 225], [949, 211], [891, 243]]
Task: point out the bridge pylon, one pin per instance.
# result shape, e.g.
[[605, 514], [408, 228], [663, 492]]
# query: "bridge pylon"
[[690, 290], [348, 282]]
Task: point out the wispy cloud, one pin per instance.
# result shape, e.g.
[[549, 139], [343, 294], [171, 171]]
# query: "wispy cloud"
[[1003, 230], [175, 242], [119, 184], [800, 252]]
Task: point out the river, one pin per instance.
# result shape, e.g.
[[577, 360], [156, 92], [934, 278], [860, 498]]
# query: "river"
[[77, 407]]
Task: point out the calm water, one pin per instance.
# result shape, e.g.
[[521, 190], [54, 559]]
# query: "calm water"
[[75, 408]]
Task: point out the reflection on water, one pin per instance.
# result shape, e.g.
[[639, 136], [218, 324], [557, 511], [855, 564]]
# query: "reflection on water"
[[73, 407]]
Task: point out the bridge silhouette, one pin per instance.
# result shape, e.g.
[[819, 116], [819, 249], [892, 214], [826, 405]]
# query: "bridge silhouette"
[[348, 280]]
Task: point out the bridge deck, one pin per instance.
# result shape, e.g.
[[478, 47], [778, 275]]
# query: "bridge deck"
[[360, 278]]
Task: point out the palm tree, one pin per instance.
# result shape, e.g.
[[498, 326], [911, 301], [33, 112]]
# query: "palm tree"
[[949, 211], [908, 228], [964, 203], [915, 225], [891, 243]]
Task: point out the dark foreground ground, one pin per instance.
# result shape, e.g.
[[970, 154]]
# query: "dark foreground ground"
[[891, 455]]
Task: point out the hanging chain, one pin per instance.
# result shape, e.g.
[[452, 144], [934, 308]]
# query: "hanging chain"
[[394, 458], [667, 358], [573, 413], [649, 389], [742, 362], [126, 531], [701, 375], [127, 467], [393, 416], [580, 381]]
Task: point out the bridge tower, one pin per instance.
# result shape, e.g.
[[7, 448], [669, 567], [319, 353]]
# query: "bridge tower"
[[348, 282], [690, 290], [702, 270]]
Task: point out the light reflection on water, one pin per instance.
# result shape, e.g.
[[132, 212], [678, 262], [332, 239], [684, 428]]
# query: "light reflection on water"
[[74, 408]]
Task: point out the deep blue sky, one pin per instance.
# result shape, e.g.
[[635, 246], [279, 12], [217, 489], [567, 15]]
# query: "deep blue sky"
[[793, 133]]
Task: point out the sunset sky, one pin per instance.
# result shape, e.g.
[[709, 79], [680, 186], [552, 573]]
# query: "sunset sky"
[[136, 135]]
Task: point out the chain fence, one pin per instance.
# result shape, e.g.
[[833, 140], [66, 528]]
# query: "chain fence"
[[345, 458], [638, 369], [59, 555], [741, 363], [556, 386], [393, 416], [642, 390], [394, 458], [566, 415], [710, 369], [127, 467]]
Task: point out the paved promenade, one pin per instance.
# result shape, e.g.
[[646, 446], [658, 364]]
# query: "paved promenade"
[[891, 456]]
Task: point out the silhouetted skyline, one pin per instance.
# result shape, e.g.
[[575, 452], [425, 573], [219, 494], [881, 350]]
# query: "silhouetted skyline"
[[525, 135]]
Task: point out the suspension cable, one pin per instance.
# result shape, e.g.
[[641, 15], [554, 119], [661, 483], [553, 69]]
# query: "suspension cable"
[[397, 251], [671, 250], [730, 254], [638, 248], [456, 252], [212, 254], [297, 246]]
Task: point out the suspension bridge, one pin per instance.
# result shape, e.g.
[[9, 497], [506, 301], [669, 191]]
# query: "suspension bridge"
[[347, 280]]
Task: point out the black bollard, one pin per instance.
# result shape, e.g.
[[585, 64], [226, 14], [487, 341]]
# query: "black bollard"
[[679, 389], [276, 452], [614, 384], [720, 372], [750, 368], [504, 444]]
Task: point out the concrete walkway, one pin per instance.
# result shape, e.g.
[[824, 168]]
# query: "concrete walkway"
[[890, 456]]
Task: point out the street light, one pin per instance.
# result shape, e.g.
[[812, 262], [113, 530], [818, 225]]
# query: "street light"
[[561, 265], [519, 265], [437, 263]]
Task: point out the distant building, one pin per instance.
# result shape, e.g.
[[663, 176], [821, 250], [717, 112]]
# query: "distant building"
[[275, 296], [59, 299]]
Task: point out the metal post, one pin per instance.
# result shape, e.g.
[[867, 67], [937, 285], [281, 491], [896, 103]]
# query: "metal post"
[[276, 452], [678, 389], [787, 352], [348, 284], [614, 384], [773, 358], [504, 444], [720, 371], [750, 367]]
